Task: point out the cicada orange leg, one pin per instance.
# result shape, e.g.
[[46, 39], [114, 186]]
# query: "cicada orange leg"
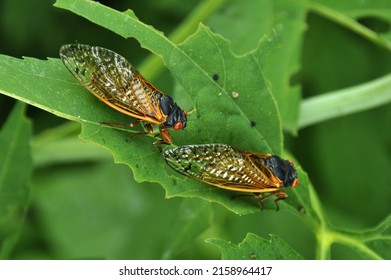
[[261, 199], [165, 134], [280, 195]]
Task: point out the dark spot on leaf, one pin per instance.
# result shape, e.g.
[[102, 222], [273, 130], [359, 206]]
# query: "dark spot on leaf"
[[215, 77], [301, 210], [253, 123]]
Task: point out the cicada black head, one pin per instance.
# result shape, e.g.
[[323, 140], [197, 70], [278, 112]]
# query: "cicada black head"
[[283, 170], [176, 117]]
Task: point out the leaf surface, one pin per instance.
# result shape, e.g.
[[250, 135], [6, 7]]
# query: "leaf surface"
[[254, 247]]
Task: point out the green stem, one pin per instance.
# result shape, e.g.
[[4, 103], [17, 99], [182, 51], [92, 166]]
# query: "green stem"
[[152, 65], [327, 237], [347, 101], [324, 243], [349, 23], [354, 243]]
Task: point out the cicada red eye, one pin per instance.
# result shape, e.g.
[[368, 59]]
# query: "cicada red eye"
[[178, 126], [113, 80], [228, 168]]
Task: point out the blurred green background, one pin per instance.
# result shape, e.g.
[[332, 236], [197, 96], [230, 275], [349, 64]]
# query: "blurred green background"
[[91, 208]]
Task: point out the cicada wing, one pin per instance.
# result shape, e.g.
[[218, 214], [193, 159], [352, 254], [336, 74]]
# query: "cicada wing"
[[112, 79], [219, 165]]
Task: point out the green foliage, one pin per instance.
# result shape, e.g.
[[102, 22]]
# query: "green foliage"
[[15, 169], [256, 248], [255, 49]]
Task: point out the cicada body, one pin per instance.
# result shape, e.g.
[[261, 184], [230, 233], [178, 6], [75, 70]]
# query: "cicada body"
[[113, 80], [228, 168]]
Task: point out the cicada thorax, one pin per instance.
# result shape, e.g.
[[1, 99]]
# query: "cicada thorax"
[[228, 168], [112, 79], [173, 116]]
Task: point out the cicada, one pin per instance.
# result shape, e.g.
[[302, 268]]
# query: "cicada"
[[228, 168], [113, 80]]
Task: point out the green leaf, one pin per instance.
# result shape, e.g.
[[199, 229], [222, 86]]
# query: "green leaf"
[[289, 22], [254, 247], [374, 243], [15, 169], [97, 211], [285, 18], [375, 14], [226, 108], [217, 115], [194, 217]]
